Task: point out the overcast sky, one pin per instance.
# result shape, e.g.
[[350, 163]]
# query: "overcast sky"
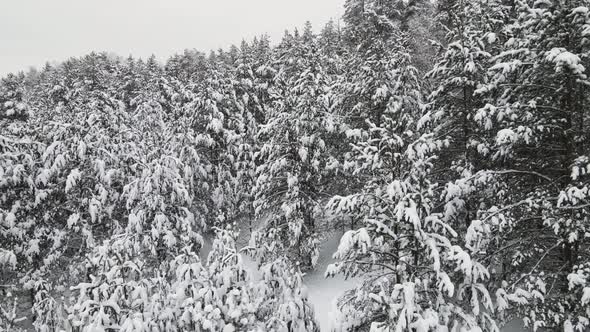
[[35, 31]]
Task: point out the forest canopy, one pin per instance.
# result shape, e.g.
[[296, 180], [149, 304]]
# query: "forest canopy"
[[448, 139]]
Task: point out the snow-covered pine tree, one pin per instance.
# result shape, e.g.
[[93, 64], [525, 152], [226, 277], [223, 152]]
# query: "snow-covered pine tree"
[[15, 158], [416, 276], [457, 76], [540, 78], [190, 66], [249, 95], [12, 92], [129, 81], [370, 34], [293, 155], [185, 293], [471, 191]]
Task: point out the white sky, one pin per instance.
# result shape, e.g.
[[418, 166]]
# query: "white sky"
[[35, 31]]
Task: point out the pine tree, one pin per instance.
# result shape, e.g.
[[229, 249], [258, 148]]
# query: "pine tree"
[[293, 155], [404, 250], [12, 105], [540, 78]]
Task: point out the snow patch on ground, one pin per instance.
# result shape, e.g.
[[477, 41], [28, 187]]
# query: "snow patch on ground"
[[324, 292]]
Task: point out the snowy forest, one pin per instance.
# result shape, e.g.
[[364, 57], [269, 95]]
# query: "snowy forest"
[[444, 144]]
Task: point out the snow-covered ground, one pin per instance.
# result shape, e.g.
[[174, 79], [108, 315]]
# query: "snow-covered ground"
[[323, 292]]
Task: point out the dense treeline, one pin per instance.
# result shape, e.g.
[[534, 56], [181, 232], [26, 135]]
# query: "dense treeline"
[[449, 139]]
